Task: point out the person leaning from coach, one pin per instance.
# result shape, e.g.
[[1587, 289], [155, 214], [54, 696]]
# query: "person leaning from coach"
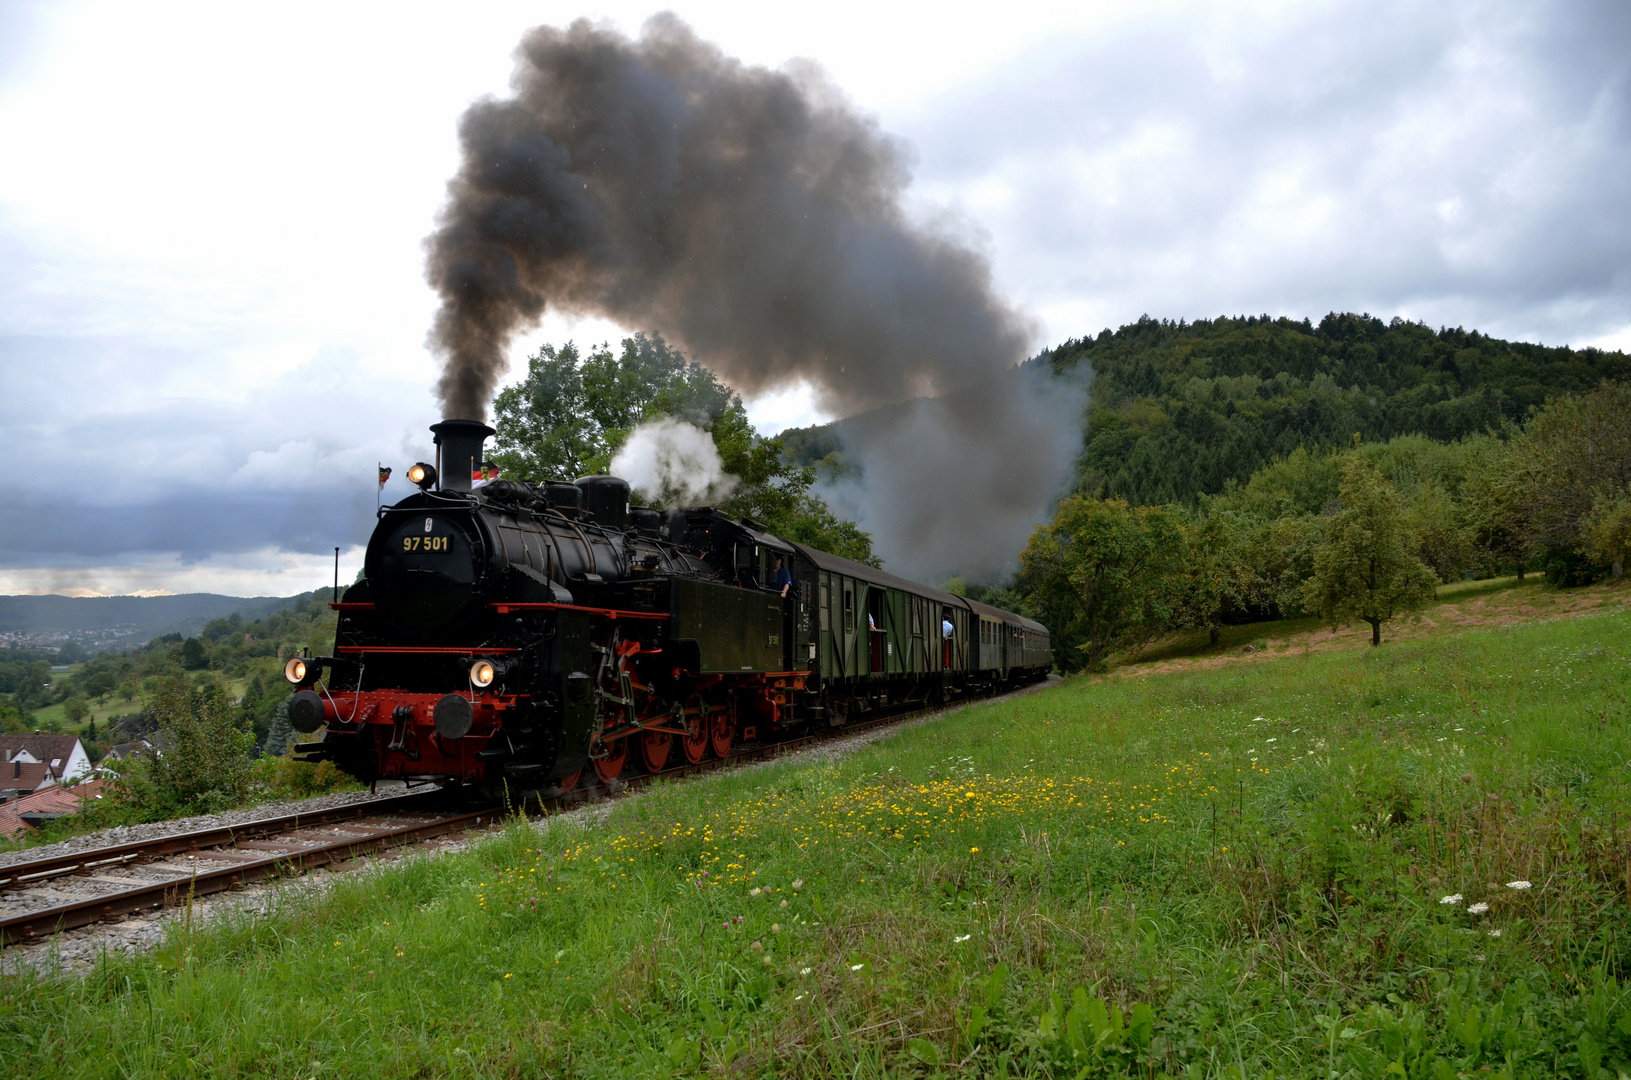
[[784, 577]]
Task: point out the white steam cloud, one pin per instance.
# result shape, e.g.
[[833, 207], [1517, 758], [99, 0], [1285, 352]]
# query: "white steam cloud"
[[671, 463]]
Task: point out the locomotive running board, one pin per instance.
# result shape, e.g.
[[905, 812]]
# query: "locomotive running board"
[[611, 613]]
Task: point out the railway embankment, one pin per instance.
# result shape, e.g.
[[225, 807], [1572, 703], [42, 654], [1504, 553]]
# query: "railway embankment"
[[1333, 859]]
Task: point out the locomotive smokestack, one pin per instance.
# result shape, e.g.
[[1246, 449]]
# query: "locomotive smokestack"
[[460, 444]]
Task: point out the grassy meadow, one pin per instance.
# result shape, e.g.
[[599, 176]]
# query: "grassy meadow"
[[1402, 861]]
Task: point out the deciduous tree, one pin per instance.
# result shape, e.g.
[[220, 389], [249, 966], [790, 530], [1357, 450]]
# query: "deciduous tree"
[[1367, 568], [1575, 454], [203, 757], [1105, 571], [1215, 574]]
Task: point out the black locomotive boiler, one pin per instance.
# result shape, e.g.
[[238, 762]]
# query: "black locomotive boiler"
[[532, 636]]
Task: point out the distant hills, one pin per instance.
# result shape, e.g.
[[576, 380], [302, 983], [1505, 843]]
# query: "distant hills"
[[1182, 409], [114, 621]]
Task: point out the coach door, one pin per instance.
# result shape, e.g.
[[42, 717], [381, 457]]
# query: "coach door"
[[847, 622], [801, 611]]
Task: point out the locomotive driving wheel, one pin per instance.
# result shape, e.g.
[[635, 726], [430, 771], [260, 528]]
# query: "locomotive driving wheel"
[[695, 743], [721, 728], [654, 749], [564, 784], [608, 768]]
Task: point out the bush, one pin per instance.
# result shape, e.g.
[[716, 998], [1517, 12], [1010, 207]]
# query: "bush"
[[202, 761], [286, 778]]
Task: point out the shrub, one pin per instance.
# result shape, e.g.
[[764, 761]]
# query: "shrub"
[[202, 759], [286, 778]]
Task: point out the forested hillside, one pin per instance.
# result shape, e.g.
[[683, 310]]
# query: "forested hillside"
[[1179, 409]]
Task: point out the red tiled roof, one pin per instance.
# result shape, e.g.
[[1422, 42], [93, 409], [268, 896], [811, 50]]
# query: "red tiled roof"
[[52, 800], [39, 747], [58, 799], [23, 775]]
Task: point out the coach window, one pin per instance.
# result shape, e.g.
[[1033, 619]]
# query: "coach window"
[[849, 608], [826, 616]]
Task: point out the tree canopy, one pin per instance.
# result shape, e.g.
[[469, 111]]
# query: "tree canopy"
[[1105, 571], [1181, 408], [1366, 568], [572, 413]]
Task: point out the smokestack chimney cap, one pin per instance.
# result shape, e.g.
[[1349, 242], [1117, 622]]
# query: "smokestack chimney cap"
[[460, 442]]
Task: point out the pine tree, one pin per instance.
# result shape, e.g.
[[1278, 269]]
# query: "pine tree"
[[1367, 568], [277, 739]]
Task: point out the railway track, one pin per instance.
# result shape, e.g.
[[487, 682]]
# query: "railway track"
[[42, 897]]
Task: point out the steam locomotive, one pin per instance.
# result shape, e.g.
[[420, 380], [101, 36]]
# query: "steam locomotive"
[[532, 637]]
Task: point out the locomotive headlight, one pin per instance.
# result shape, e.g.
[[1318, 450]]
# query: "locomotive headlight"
[[295, 670], [482, 673], [422, 474]]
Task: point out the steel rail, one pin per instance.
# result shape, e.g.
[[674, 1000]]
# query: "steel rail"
[[36, 870], [33, 925]]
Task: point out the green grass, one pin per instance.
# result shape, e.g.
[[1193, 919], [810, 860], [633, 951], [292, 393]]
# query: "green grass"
[[1226, 872], [55, 717]]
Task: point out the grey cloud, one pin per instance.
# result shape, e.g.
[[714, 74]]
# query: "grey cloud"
[[63, 528], [90, 484], [1464, 163]]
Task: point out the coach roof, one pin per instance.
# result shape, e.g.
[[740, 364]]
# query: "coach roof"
[[872, 574], [1006, 616]]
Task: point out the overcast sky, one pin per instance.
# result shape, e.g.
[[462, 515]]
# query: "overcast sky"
[[212, 302]]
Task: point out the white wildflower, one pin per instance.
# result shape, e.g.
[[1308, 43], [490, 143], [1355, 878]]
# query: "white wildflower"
[[805, 971], [753, 892], [960, 940], [1478, 908], [1494, 933], [1520, 885], [1453, 898], [798, 883], [856, 967], [1271, 740]]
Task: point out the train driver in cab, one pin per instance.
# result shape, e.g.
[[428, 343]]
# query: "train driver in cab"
[[784, 577]]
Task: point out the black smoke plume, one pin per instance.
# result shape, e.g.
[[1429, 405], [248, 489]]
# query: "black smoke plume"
[[754, 218], [750, 215]]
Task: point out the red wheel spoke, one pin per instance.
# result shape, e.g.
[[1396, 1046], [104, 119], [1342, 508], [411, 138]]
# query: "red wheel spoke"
[[696, 724], [608, 768], [721, 729], [654, 749]]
